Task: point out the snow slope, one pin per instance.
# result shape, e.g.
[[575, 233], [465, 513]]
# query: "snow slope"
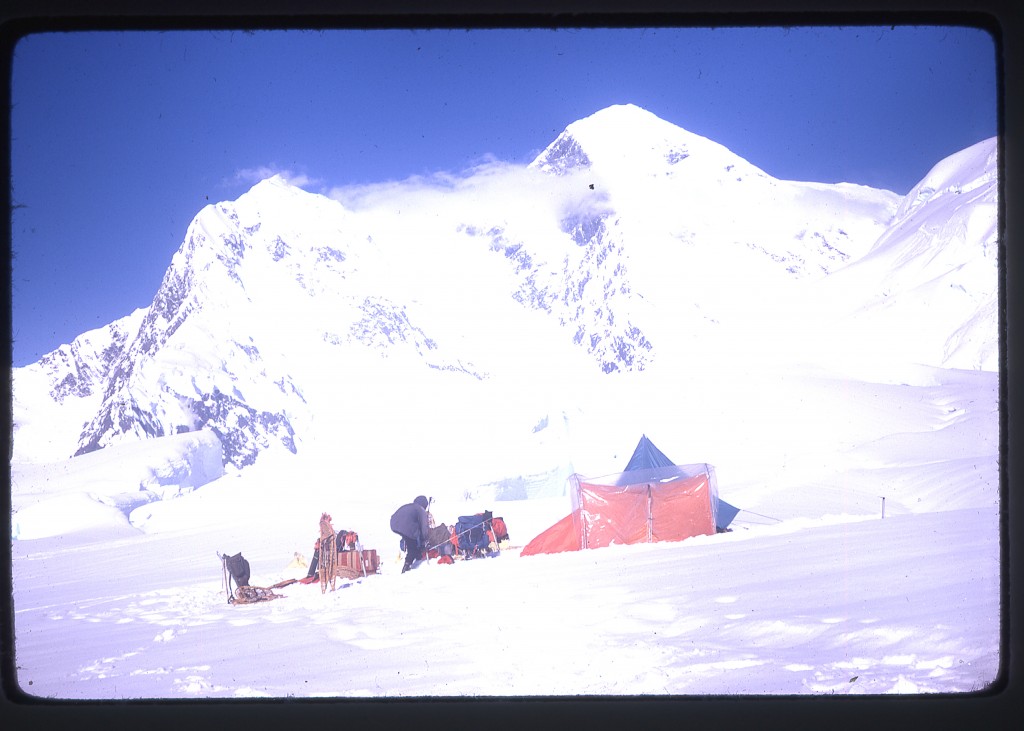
[[855, 606], [926, 291], [813, 592]]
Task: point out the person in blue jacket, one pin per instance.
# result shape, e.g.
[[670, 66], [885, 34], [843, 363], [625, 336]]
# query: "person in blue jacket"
[[411, 523]]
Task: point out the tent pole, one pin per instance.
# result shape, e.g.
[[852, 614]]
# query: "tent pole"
[[497, 543], [650, 515], [577, 508]]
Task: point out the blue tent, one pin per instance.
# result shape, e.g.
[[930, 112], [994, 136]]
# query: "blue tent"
[[646, 456]]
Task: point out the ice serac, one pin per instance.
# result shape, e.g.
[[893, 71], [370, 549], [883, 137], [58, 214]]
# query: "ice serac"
[[109, 484]]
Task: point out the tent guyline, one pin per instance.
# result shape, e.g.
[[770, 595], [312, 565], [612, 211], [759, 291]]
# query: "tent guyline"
[[459, 534], [760, 515], [447, 540], [452, 532]]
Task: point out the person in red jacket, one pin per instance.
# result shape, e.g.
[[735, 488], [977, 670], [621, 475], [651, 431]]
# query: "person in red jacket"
[[411, 523]]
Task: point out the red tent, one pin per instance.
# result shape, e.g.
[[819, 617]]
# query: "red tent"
[[666, 503]]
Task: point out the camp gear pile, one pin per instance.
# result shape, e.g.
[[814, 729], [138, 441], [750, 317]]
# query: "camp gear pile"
[[472, 536], [338, 554]]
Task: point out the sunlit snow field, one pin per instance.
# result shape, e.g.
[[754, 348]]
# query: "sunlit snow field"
[[812, 591]]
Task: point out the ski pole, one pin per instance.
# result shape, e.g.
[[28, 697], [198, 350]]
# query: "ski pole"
[[362, 559]]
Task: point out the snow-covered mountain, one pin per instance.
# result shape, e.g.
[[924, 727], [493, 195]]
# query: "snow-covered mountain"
[[481, 312], [54, 397], [927, 288]]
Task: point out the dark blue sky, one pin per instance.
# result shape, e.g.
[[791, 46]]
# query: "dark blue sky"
[[120, 138]]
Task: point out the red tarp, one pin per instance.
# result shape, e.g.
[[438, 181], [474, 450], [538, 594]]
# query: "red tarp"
[[667, 510], [559, 537]]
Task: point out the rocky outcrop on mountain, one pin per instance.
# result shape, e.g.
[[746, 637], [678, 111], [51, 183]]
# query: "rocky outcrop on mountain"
[[81, 369]]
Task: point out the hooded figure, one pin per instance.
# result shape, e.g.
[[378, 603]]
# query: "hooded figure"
[[411, 523]]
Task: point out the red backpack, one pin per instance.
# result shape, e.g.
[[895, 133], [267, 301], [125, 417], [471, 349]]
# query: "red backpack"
[[499, 529]]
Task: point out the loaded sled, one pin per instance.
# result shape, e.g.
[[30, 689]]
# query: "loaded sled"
[[356, 563], [349, 565], [472, 536], [349, 560], [236, 569]]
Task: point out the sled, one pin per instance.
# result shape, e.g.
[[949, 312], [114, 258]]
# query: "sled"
[[349, 565], [252, 594], [354, 564]]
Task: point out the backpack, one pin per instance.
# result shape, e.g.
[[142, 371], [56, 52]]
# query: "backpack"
[[472, 531], [439, 541], [499, 529], [238, 567], [346, 540]]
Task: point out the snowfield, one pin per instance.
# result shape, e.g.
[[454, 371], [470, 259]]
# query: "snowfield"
[[813, 592], [907, 604]]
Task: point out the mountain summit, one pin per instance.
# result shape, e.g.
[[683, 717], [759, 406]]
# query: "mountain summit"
[[632, 142]]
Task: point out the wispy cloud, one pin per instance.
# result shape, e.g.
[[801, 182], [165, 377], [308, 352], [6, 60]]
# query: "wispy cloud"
[[256, 174], [490, 186]]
